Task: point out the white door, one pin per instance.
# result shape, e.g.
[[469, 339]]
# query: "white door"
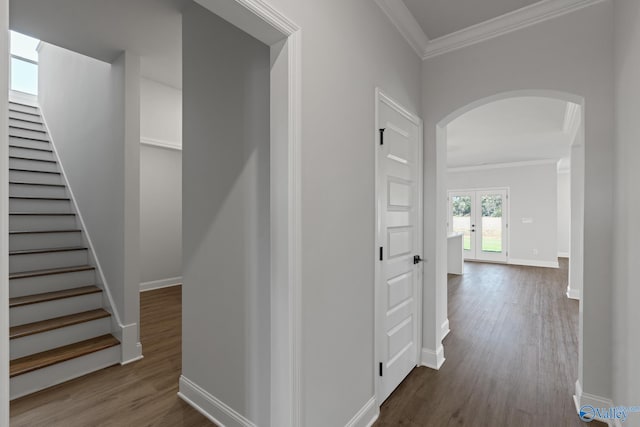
[[481, 215], [399, 244]]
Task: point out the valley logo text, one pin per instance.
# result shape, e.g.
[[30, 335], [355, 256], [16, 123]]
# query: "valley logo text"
[[588, 413]]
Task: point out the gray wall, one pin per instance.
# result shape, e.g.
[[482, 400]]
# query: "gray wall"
[[627, 292], [226, 340], [92, 113], [532, 194], [572, 53], [160, 213]]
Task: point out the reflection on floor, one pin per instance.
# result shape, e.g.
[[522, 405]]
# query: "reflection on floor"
[[512, 355]]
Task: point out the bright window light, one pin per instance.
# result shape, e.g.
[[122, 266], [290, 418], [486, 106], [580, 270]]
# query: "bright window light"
[[24, 63]]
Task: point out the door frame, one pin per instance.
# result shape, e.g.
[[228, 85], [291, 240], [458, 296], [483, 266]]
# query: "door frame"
[[260, 20], [506, 229], [381, 96]]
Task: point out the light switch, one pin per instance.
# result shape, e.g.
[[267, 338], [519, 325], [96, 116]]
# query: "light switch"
[[527, 220]]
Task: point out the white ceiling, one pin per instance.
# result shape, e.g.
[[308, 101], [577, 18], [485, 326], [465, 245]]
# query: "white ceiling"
[[441, 17], [510, 130], [104, 28]]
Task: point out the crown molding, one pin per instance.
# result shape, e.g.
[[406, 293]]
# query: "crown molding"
[[502, 165], [406, 23], [504, 24]]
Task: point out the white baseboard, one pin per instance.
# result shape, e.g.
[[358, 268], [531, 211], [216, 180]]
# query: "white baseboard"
[[534, 263], [433, 359], [211, 407], [445, 329], [130, 346], [573, 293], [159, 284], [366, 416], [563, 254], [581, 399]]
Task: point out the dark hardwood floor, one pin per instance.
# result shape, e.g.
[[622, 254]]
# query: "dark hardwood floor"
[[511, 355], [140, 394]]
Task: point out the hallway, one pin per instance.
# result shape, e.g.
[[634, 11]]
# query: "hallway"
[[142, 394], [512, 354]]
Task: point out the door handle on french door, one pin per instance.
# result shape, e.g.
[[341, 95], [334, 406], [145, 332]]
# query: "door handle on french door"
[[417, 259]]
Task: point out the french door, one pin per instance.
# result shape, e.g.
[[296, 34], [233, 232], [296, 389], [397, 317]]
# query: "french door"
[[481, 216]]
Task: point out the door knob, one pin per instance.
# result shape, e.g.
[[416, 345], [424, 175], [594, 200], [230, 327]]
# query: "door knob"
[[417, 259]]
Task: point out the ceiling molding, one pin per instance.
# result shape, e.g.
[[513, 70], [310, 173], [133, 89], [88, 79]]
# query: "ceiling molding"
[[406, 23], [504, 24], [503, 165]]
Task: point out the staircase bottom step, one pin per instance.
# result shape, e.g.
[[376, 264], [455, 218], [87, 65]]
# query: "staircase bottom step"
[[40, 371]]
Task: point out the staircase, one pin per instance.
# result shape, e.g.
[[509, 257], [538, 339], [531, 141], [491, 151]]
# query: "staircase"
[[60, 325]]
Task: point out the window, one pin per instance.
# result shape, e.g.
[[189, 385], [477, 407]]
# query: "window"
[[24, 63]]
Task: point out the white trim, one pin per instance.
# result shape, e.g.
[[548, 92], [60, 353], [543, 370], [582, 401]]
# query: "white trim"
[[159, 284], [580, 399], [534, 263], [505, 24], [210, 406], [572, 116], [366, 416], [286, 341], [573, 293], [433, 359], [160, 143], [406, 23], [135, 358], [444, 329], [563, 254], [502, 165], [380, 96]]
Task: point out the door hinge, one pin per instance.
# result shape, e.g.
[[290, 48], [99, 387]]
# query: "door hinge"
[[381, 252], [382, 136], [380, 368]]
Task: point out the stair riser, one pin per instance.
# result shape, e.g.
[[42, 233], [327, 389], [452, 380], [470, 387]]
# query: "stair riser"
[[31, 154], [44, 206], [27, 123], [28, 134], [22, 116], [22, 242], [30, 262], [25, 190], [24, 108], [44, 341], [50, 283], [52, 309], [33, 165], [29, 143], [31, 382], [41, 222], [40, 178]]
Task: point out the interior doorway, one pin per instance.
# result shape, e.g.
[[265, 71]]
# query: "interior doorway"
[[482, 218]]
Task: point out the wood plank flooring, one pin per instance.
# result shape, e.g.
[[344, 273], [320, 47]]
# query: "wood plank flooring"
[[142, 394], [512, 355]]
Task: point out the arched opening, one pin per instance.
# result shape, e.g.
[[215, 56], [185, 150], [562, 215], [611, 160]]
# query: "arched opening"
[[573, 125]]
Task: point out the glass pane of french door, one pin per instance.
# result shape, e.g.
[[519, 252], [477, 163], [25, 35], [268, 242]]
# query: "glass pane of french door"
[[462, 218], [491, 208]]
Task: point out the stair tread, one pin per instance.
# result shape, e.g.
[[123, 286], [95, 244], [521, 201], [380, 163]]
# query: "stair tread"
[[43, 213], [38, 198], [33, 171], [29, 129], [61, 354], [11, 101], [32, 159], [25, 120], [56, 323], [35, 183], [31, 148], [50, 271], [29, 138], [53, 296], [71, 230], [45, 251]]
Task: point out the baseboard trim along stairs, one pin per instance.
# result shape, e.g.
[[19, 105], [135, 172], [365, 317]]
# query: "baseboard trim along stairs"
[[61, 324]]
